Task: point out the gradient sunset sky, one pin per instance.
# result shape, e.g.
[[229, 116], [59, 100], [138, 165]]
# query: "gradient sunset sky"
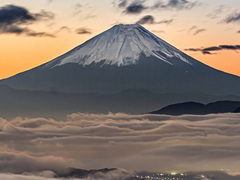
[[33, 32]]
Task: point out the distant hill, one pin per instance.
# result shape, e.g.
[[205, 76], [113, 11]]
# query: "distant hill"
[[96, 174], [81, 173], [199, 108]]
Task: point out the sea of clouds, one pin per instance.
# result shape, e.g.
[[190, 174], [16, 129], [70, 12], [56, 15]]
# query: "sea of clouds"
[[37, 148]]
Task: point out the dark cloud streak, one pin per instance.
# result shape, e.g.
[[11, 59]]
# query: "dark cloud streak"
[[168, 21], [175, 4], [138, 6], [199, 31], [13, 18], [209, 50], [149, 19], [135, 8]]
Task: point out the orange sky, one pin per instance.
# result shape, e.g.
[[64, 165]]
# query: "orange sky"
[[21, 52]]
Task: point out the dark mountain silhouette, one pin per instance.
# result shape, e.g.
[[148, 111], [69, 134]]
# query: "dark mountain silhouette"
[[198, 108], [237, 110], [96, 174], [81, 173]]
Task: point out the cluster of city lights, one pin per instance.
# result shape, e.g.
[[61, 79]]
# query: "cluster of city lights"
[[169, 176]]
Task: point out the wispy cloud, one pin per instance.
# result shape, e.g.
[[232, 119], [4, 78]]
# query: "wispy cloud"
[[83, 30], [64, 28], [122, 3], [194, 30], [217, 12], [78, 8], [175, 5], [148, 19], [233, 18]]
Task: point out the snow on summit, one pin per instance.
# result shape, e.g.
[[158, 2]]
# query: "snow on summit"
[[120, 45]]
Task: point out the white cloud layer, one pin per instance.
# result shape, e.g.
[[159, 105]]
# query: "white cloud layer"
[[134, 142]]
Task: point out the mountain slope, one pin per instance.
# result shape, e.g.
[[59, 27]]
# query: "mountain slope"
[[126, 57]]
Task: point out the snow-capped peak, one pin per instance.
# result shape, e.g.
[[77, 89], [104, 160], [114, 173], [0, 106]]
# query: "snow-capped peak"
[[120, 45]]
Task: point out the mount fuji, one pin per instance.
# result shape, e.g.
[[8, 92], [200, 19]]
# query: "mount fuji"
[[124, 69], [126, 57]]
